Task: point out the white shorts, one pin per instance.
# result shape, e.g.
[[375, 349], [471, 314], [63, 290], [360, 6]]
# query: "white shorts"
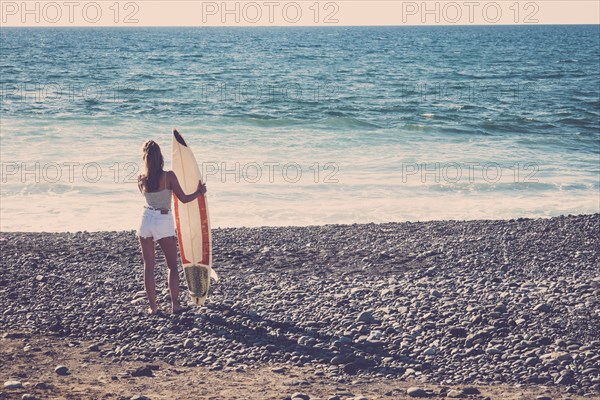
[[156, 225]]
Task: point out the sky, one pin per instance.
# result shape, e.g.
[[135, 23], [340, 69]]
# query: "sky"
[[296, 13]]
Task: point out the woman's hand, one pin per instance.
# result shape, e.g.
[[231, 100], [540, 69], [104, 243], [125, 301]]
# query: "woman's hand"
[[201, 188], [183, 197]]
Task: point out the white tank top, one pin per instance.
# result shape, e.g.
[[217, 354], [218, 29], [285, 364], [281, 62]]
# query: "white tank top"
[[160, 199]]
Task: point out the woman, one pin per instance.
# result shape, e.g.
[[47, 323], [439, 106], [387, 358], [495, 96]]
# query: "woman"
[[157, 221]]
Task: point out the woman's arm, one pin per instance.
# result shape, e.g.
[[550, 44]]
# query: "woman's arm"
[[140, 179], [176, 187]]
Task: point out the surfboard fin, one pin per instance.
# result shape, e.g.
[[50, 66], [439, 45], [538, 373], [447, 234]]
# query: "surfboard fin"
[[213, 274]]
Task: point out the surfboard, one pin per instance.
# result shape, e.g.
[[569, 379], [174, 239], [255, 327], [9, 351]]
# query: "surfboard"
[[192, 223]]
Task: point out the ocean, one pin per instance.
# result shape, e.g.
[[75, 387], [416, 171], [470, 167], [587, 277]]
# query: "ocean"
[[302, 126]]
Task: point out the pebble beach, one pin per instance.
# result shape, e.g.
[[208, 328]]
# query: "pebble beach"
[[462, 304]]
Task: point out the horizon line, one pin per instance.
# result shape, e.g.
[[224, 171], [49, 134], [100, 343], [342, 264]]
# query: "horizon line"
[[290, 26]]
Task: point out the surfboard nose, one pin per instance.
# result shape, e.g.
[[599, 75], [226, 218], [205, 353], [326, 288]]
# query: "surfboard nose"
[[178, 137]]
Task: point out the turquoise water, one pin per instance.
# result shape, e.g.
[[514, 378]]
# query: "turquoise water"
[[301, 126]]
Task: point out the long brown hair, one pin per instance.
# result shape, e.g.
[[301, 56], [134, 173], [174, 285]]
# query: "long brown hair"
[[153, 165]]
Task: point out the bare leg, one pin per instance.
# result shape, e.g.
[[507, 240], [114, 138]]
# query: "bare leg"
[[169, 247], [149, 281]]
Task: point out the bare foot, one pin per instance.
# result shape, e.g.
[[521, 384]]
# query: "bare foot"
[[152, 312], [178, 309]]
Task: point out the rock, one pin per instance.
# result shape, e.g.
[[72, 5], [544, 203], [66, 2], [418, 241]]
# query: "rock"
[[12, 335], [564, 357], [472, 352], [531, 361], [470, 390], [417, 392], [279, 370], [542, 397], [431, 351], [62, 370], [13, 385], [300, 396], [188, 344], [365, 317], [564, 380], [591, 371], [457, 331], [572, 389], [345, 340], [140, 397], [28, 396], [545, 308], [338, 359], [557, 355], [501, 308], [351, 368], [455, 394], [493, 351], [145, 371]]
